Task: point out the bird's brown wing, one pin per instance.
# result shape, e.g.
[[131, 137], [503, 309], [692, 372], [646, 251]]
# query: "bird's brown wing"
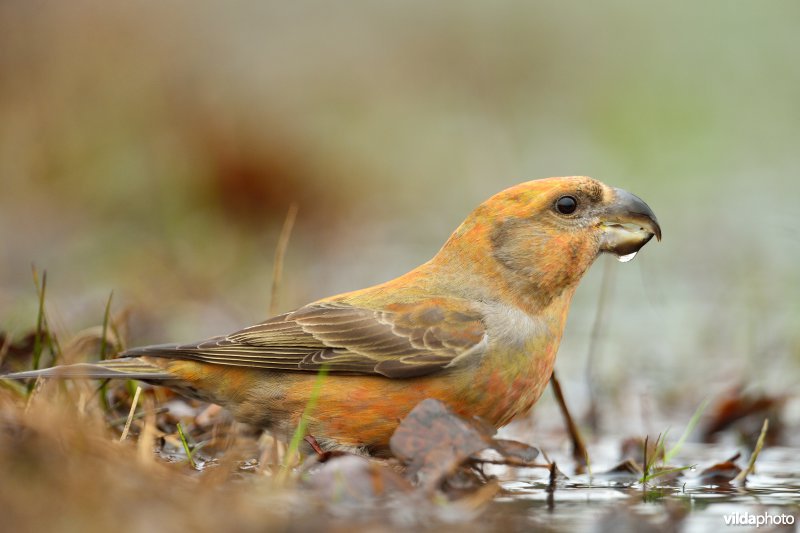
[[397, 341]]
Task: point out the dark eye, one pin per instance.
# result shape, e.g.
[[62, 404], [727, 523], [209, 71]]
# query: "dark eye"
[[566, 205]]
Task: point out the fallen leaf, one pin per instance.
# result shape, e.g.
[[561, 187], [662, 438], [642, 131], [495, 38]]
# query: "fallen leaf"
[[745, 413], [721, 473], [515, 453], [433, 442]]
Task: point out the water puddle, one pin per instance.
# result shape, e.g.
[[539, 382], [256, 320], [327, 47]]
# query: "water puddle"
[[770, 500]]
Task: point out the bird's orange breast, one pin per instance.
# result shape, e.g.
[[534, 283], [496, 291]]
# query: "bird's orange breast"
[[365, 410]]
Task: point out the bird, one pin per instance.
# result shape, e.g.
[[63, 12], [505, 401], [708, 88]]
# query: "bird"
[[476, 327]]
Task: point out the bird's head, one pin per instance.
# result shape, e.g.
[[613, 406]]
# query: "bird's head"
[[542, 235]]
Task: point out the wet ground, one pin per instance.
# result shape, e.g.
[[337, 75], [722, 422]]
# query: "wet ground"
[[600, 503]]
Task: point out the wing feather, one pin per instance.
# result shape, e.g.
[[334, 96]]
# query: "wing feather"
[[398, 341]]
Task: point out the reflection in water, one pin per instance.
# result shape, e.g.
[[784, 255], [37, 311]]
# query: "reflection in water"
[[617, 503]]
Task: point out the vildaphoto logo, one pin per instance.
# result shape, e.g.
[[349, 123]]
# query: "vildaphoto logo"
[[758, 520]]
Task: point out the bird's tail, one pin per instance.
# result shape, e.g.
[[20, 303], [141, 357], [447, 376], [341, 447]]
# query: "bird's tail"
[[123, 368]]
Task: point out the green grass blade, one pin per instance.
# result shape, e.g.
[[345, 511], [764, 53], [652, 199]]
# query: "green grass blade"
[[185, 443], [688, 431], [300, 432], [52, 342], [660, 473], [14, 386], [38, 343], [103, 345], [106, 320]]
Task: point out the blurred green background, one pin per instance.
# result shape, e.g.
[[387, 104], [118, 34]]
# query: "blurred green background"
[[155, 149]]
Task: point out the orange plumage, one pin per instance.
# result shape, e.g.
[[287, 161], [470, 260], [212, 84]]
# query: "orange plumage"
[[477, 327]]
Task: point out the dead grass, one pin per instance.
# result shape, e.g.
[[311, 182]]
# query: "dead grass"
[[64, 471]]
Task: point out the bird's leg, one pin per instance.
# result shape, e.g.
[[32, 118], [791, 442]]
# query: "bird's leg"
[[315, 445]]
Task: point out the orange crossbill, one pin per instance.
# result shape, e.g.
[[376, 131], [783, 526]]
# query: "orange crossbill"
[[476, 327]]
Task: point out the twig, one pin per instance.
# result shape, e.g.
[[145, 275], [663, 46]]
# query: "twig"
[[280, 252], [507, 462], [751, 465], [551, 487], [137, 416], [34, 390], [579, 452], [147, 436], [130, 414], [645, 465]]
